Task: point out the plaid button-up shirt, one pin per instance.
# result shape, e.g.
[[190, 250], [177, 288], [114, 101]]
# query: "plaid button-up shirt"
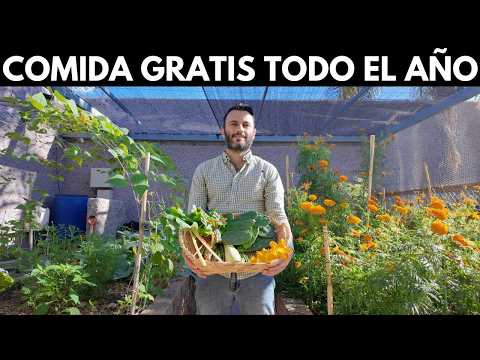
[[257, 186]]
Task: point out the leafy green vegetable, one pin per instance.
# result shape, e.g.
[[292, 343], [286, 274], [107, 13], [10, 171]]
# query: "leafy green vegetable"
[[250, 231]]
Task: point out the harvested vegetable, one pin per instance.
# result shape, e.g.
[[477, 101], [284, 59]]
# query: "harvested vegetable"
[[224, 238]]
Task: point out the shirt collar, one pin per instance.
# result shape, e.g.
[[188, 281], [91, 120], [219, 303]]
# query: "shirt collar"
[[247, 157]]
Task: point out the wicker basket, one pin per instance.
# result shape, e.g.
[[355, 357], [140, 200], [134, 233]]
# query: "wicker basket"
[[211, 264]]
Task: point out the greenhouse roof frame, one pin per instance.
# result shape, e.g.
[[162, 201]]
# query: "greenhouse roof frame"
[[331, 110]]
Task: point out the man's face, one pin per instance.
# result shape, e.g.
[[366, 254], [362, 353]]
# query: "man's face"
[[239, 130]]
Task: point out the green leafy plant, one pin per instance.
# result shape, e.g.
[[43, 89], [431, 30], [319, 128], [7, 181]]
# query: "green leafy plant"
[[109, 144], [5, 280], [387, 256], [104, 260], [124, 304], [56, 288]]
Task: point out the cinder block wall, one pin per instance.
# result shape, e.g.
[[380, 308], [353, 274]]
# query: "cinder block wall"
[[187, 155], [13, 192]]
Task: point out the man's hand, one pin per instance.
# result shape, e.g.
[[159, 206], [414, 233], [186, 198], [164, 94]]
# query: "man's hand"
[[196, 269], [277, 268]]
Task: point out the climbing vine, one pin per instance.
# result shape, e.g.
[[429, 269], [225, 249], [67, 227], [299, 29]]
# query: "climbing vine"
[[109, 143]]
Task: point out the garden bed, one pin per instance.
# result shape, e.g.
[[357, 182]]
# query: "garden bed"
[[12, 301]]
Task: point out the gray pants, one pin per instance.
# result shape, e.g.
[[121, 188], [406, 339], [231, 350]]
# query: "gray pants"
[[217, 295]]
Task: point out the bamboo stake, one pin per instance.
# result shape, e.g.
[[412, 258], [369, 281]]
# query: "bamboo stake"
[[370, 169], [429, 184], [30, 239], [370, 172], [328, 266], [287, 184], [287, 172], [138, 255], [384, 203]]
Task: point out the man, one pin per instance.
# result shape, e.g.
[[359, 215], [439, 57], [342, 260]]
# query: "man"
[[237, 182]]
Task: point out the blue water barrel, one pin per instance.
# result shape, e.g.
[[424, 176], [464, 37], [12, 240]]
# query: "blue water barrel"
[[70, 210]]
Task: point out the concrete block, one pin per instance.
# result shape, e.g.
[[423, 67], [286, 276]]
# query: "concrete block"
[[105, 194], [110, 215]]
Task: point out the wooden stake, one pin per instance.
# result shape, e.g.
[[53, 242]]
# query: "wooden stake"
[[328, 266], [30, 239], [429, 184], [370, 173], [138, 255], [370, 169], [384, 196], [287, 173]]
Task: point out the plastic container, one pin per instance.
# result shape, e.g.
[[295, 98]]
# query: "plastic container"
[[70, 210]]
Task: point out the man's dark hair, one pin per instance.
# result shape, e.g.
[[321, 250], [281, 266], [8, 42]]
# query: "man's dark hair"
[[239, 107]]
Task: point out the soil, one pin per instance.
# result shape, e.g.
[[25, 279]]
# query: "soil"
[[12, 301]]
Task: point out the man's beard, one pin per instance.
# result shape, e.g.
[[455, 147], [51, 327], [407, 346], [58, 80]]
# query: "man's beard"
[[238, 147]]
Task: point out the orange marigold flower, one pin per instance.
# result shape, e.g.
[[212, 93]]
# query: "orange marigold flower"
[[312, 197], [356, 233], [363, 247], [401, 209], [474, 216], [317, 210], [399, 201], [441, 214], [384, 218], [329, 202], [368, 245], [342, 178], [367, 237], [439, 227], [372, 208], [437, 203], [460, 240], [306, 205], [323, 164], [469, 201], [354, 220]]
